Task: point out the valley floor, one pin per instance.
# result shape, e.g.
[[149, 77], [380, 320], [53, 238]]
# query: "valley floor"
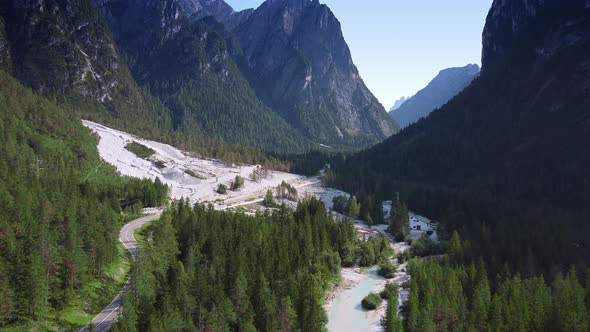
[[197, 179]]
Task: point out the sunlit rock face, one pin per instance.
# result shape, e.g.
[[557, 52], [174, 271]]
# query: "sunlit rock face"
[[61, 47], [301, 66]]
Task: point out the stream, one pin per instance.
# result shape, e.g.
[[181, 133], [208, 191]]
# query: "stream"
[[346, 312]]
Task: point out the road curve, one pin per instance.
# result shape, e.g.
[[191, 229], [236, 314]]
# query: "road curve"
[[102, 322]]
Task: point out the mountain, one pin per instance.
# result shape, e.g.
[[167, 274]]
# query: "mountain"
[[300, 66], [505, 161], [184, 67], [313, 93], [60, 47], [447, 84], [398, 103]]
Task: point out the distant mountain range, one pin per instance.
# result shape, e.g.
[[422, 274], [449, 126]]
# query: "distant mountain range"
[[447, 84], [398, 103], [279, 77]]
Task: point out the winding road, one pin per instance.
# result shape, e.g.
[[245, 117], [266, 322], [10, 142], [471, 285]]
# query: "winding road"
[[103, 321]]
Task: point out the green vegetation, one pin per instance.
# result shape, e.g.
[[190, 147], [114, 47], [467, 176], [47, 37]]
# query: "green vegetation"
[[237, 183], [269, 200], [353, 208], [391, 291], [447, 297], [339, 204], [375, 250], [220, 271], [387, 270], [222, 189], [60, 213], [140, 150], [286, 191], [371, 301], [219, 101], [425, 246], [399, 225], [391, 322]]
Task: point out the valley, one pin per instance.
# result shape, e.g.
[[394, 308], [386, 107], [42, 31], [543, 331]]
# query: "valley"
[[177, 169], [201, 166]]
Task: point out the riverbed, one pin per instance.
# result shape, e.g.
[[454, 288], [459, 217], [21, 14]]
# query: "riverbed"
[[345, 310]]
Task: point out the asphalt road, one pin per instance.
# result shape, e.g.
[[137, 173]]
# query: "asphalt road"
[[102, 322]]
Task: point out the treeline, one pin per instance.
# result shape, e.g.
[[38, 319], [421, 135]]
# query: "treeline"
[[60, 207], [155, 121], [217, 271], [528, 236], [450, 297]]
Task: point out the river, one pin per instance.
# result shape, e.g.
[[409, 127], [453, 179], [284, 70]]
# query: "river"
[[346, 312]]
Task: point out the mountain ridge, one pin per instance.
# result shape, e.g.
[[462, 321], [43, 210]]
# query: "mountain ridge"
[[503, 156], [447, 84]]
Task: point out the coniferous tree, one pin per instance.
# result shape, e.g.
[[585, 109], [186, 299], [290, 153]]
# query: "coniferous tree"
[[353, 208], [287, 316]]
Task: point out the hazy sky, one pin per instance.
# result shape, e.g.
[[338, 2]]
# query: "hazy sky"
[[400, 45]]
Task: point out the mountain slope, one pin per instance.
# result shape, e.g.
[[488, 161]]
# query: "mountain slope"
[[447, 84], [59, 215], [507, 155], [61, 48], [301, 67], [189, 63]]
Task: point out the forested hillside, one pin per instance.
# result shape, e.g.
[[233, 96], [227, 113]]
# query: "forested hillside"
[[449, 297], [60, 210], [504, 162], [196, 76], [209, 270]]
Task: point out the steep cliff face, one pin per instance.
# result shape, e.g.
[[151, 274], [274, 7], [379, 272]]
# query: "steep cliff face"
[[143, 26], [196, 76], [301, 67], [447, 84], [183, 53], [61, 47]]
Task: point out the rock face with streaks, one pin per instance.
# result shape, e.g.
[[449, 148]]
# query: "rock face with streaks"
[[60, 47], [300, 65]]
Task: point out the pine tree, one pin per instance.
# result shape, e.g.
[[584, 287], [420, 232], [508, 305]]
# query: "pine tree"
[[455, 248], [6, 296], [269, 200], [287, 316], [569, 303], [481, 303], [353, 209], [413, 307], [399, 225], [266, 313], [391, 322]]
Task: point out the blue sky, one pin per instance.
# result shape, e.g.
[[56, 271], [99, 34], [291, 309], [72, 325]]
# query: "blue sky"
[[400, 45]]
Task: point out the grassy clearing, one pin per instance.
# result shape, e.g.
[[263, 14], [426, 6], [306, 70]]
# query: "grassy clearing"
[[140, 150]]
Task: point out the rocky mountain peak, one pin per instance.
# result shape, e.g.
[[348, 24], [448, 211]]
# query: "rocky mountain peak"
[[304, 71]]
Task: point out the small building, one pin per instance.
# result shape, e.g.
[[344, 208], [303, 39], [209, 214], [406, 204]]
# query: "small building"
[[420, 223]]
